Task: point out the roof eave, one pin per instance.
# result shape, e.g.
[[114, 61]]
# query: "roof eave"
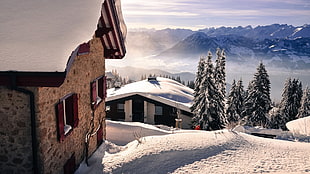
[[31, 79], [109, 32]]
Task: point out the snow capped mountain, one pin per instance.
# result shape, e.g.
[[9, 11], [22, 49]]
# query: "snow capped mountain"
[[262, 32], [200, 43], [278, 45]]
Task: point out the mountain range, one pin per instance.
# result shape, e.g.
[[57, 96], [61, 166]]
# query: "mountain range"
[[283, 46], [284, 49]]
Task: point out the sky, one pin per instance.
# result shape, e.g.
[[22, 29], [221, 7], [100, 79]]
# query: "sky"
[[198, 14], [39, 35]]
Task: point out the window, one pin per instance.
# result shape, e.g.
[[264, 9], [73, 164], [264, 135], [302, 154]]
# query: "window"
[[67, 115], [120, 107], [70, 166], [158, 110], [98, 91]]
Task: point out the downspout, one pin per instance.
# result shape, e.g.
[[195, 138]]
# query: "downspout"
[[33, 121]]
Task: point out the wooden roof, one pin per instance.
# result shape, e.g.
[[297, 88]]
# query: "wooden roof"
[[109, 31]]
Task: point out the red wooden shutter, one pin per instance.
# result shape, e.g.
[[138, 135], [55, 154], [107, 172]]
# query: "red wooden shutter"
[[104, 87], [100, 136], [69, 111], [75, 110], [69, 167], [93, 94], [60, 121], [100, 87]]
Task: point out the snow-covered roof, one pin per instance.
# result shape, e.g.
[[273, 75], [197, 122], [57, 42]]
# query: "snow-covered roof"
[[163, 90], [40, 35]]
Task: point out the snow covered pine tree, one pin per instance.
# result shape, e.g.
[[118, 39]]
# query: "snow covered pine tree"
[[235, 102], [289, 105], [208, 97], [304, 110], [257, 102], [197, 84], [220, 84]]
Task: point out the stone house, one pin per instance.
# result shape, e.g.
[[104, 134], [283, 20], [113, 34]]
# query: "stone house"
[[51, 121], [153, 101]]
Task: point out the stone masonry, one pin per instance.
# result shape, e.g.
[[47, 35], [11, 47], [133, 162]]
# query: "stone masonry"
[[15, 132], [54, 154], [15, 123]]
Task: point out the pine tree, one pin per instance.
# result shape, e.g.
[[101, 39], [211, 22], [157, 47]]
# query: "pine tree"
[[219, 72], [277, 121], [178, 79], [240, 97], [197, 84], [235, 102], [231, 114], [208, 107], [220, 84], [191, 84], [258, 103], [296, 98], [291, 98], [304, 110], [289, 105]]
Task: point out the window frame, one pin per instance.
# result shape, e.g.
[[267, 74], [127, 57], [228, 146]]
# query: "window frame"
[[67, 115], [98, 91]]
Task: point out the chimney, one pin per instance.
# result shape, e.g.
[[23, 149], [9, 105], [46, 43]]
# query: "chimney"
[[151, 79]]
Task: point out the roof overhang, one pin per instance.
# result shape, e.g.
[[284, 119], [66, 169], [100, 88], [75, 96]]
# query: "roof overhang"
[[109, 31], [32, 79]]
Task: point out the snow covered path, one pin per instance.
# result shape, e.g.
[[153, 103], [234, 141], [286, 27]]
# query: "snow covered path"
[[190, 151]]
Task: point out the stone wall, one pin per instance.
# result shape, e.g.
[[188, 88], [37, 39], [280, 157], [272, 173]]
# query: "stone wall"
[[52, 153], [15, 132]]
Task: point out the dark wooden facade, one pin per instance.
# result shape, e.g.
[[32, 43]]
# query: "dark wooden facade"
[[168, 116]]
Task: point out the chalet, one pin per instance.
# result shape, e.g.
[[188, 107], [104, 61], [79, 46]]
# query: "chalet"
[[51, 120], [155, 100]]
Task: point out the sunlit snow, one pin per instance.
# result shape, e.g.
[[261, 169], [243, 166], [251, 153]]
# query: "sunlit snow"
[[193, 151]]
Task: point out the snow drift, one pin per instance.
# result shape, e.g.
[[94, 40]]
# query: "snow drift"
[[193, 151], [300, 126]]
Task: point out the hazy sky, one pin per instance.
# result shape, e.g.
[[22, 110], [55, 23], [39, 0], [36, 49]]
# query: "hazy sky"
[[197, 14]]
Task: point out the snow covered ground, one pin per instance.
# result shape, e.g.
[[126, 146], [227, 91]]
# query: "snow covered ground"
[[192, 151]]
